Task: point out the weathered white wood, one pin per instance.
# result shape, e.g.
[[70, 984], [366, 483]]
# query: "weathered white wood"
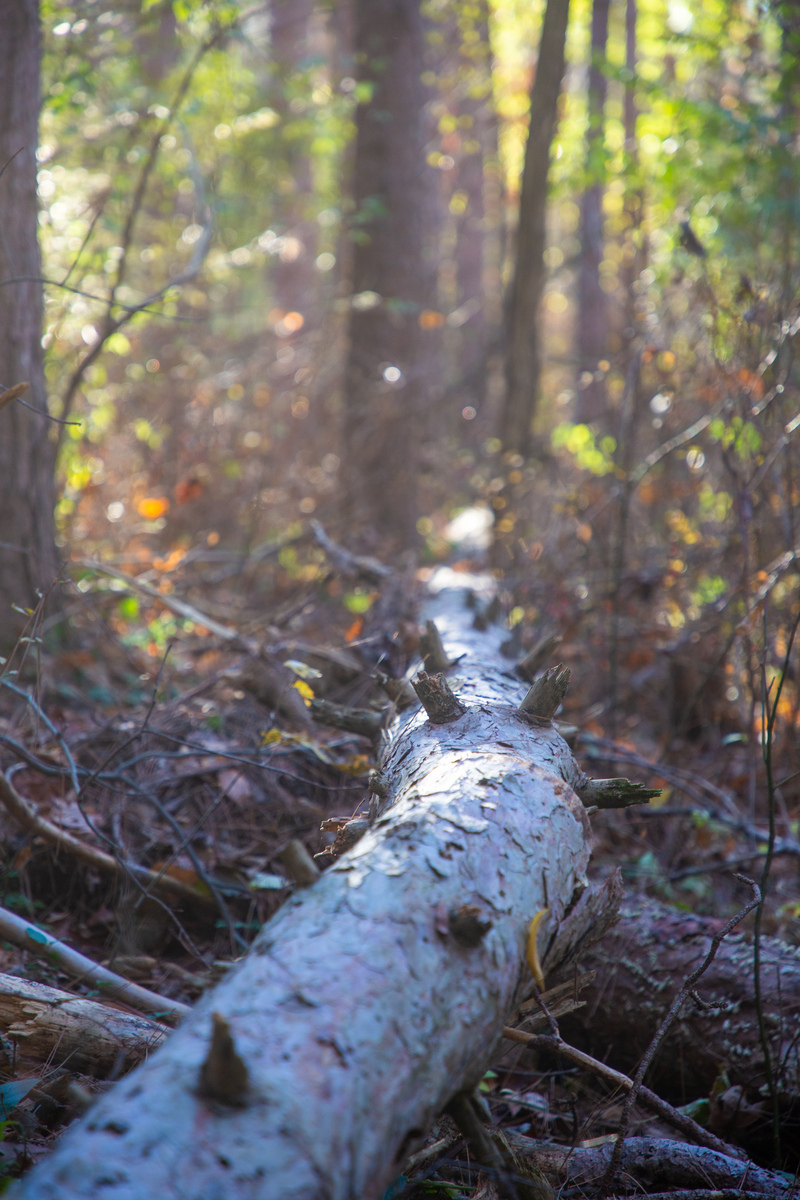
[[359, 1013], [71, 1031]]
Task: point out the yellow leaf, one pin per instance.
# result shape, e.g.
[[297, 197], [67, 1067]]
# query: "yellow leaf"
[[533, 951], [271, 737], [359, 764], [305, 691]]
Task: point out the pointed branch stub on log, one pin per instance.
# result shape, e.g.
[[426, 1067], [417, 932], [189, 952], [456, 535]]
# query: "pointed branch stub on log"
[[223, 1076], [615, 793], [363, 721], [299, 864], [527, 667], [435, 696], [433, 652], [546, 693]]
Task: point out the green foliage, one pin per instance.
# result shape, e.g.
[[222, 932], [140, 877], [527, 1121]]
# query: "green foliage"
[[590, 453]]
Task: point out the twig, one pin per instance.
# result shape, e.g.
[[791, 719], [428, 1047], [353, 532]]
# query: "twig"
[[27, 815], [344, 560], [129, 308], [462, 1109], [202, 874], [43, 717], [665, 1026], [30, 937], [179, 607], [542, 1041]]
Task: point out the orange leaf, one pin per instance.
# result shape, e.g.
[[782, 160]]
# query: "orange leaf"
[[188, 489], [152, 507], [354, 630]]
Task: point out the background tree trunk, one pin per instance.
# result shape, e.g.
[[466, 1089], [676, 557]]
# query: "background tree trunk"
[[294, 271], [392, 280], [592, 325], [634, 245], [28, 562], [523, 362]]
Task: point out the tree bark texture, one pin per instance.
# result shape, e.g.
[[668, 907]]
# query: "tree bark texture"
[[641, 964], [523, 361], [654, 1164], [592, 325], [68, 1031], [392, 280], [363, 1007], [27, 455]]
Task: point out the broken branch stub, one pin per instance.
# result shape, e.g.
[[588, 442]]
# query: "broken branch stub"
[[436, 697], [433, 652], [375, 996], [615, 793], [546, 693]]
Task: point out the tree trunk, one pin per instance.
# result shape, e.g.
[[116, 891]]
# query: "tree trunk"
[[385, 379], [294, 272], [376, 994], [523, 361], [634, 245], [640, 965], [28, 563], [592, 325], [474, 320]]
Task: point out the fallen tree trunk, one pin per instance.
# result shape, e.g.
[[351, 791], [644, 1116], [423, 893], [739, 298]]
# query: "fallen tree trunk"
[[639, 967], [651, 1164], [378, 993], [70, 1031]]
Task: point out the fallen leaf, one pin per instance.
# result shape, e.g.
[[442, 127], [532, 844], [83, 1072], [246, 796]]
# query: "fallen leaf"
[[152, 507]]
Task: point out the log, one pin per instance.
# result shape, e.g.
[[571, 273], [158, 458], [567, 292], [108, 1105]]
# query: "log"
[[71, 1031], [363, 1008], [640, 966], [649, 1164]]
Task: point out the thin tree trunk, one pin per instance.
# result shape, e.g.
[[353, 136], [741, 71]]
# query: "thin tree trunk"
[[634, 249], [523, 362], [294, 270], [592, 325], [376, 994], [385, 376], [479, 146], [28, 563]]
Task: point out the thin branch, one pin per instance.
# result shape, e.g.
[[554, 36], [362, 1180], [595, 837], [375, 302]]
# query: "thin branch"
[[179, 607], [679, 1120], [30, 937], [129, 308]]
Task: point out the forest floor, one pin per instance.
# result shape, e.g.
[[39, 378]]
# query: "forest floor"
[[201, 763]]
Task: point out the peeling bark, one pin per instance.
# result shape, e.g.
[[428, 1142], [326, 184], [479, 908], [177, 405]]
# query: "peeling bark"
[[69, 1031], [375, 995]]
